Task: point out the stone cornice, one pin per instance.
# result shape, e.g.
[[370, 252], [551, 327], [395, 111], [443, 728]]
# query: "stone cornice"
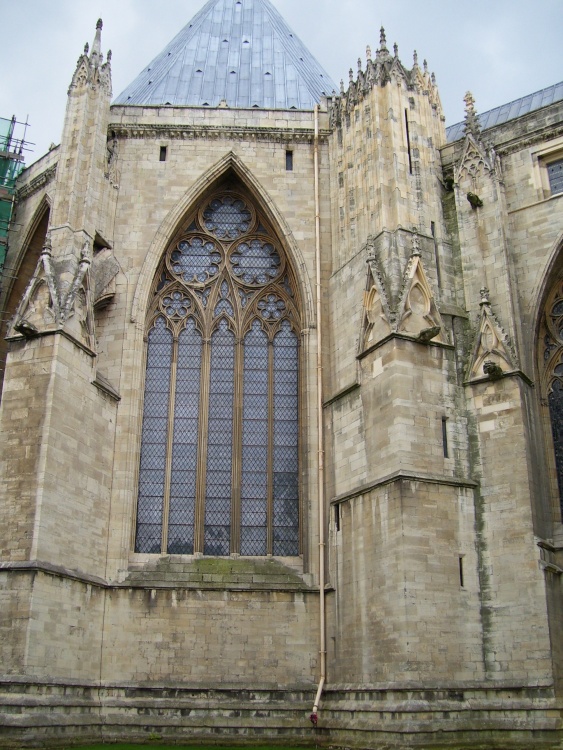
[[36, 184], [403, 476], [215, 132], [529, 139]]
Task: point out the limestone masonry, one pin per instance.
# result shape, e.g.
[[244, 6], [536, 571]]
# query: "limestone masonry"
[[282, 408]]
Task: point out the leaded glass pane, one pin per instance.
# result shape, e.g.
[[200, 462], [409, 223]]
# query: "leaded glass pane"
[[255, 262], [219, 443], [254, 479], [555, 173], [272, 307], [227, 217], [153, 440], [556, 414], [177, 305], [285, 455], [185, 443], [196, 259]]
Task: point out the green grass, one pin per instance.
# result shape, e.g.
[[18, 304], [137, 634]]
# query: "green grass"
[[163, 746]]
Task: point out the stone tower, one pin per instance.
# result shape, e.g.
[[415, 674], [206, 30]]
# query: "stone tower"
[[280, 418]]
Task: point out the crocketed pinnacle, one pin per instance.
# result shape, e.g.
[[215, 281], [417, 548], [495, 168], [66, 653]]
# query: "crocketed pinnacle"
[[471, 125]]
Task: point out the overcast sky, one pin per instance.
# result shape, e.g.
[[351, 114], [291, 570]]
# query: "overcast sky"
[[499, 49]]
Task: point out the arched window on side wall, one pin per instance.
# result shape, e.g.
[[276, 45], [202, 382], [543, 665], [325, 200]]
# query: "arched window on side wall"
[[219, 462], [551, 364]]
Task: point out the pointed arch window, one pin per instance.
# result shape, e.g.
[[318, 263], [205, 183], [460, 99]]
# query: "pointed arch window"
[[219, 462], [551, 365]]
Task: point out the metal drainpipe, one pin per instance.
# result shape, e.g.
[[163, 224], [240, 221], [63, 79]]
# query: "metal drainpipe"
[[322, 623]]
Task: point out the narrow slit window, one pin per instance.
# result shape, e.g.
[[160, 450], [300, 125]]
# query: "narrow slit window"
[[289, 161], [163, 152], [337, 517], [408, 140], [436, 255], [445, 437], [461, 578]]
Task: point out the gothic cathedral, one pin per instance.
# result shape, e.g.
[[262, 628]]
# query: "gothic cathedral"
[[282, 407]]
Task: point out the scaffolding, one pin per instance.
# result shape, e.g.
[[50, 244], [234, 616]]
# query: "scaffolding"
[[12, 147]]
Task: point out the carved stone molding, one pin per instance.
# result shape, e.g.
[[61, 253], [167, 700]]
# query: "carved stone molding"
[[36, 184], [216, 132], [58, 296], [492, 354], [409, 309]]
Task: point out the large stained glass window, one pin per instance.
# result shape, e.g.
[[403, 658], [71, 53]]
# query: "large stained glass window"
[[219, 468]]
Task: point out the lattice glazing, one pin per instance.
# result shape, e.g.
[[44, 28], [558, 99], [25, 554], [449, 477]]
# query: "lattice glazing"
[[265, 374], [219, 443], [227, 217], [176, 305], [285, 458], [196, 259], [255, 262], [185, 444], [254, 478], [153, 439]]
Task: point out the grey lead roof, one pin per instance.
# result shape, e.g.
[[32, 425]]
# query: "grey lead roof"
[[240, 51], [510, 111]]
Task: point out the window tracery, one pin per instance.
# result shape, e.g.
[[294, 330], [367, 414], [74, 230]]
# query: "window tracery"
[[219, 444]]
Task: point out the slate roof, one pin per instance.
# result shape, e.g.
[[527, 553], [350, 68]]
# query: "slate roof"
[[510, 111], [240, 51]]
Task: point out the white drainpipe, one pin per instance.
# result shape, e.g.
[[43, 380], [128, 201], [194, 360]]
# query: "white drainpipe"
[[322, 623]]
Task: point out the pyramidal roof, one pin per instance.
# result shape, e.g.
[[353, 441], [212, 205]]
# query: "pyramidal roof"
[[240, 52]]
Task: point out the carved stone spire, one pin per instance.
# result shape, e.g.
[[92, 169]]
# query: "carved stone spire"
[[471, 119], [383, 52], [97, 45], [382, 40]]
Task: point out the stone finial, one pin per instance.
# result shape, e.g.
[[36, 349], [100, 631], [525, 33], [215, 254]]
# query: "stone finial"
[[425, 65], [351, 75], [415, 59], [109, 56], [342, 89], [359, 63], [86, 48], [484, 292], [471, 119], [382, 39], [433, 79], [396, 49], [97, 45], [368, 53]]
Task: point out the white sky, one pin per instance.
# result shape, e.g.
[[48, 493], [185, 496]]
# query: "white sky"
[[499, 49]]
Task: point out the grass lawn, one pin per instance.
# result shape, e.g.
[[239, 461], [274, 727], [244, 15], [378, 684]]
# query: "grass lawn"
[[163, 746]]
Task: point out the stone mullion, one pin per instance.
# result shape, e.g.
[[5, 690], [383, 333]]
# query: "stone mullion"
[[237, 449], [270, 490], [199, 516], [169, 447]]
